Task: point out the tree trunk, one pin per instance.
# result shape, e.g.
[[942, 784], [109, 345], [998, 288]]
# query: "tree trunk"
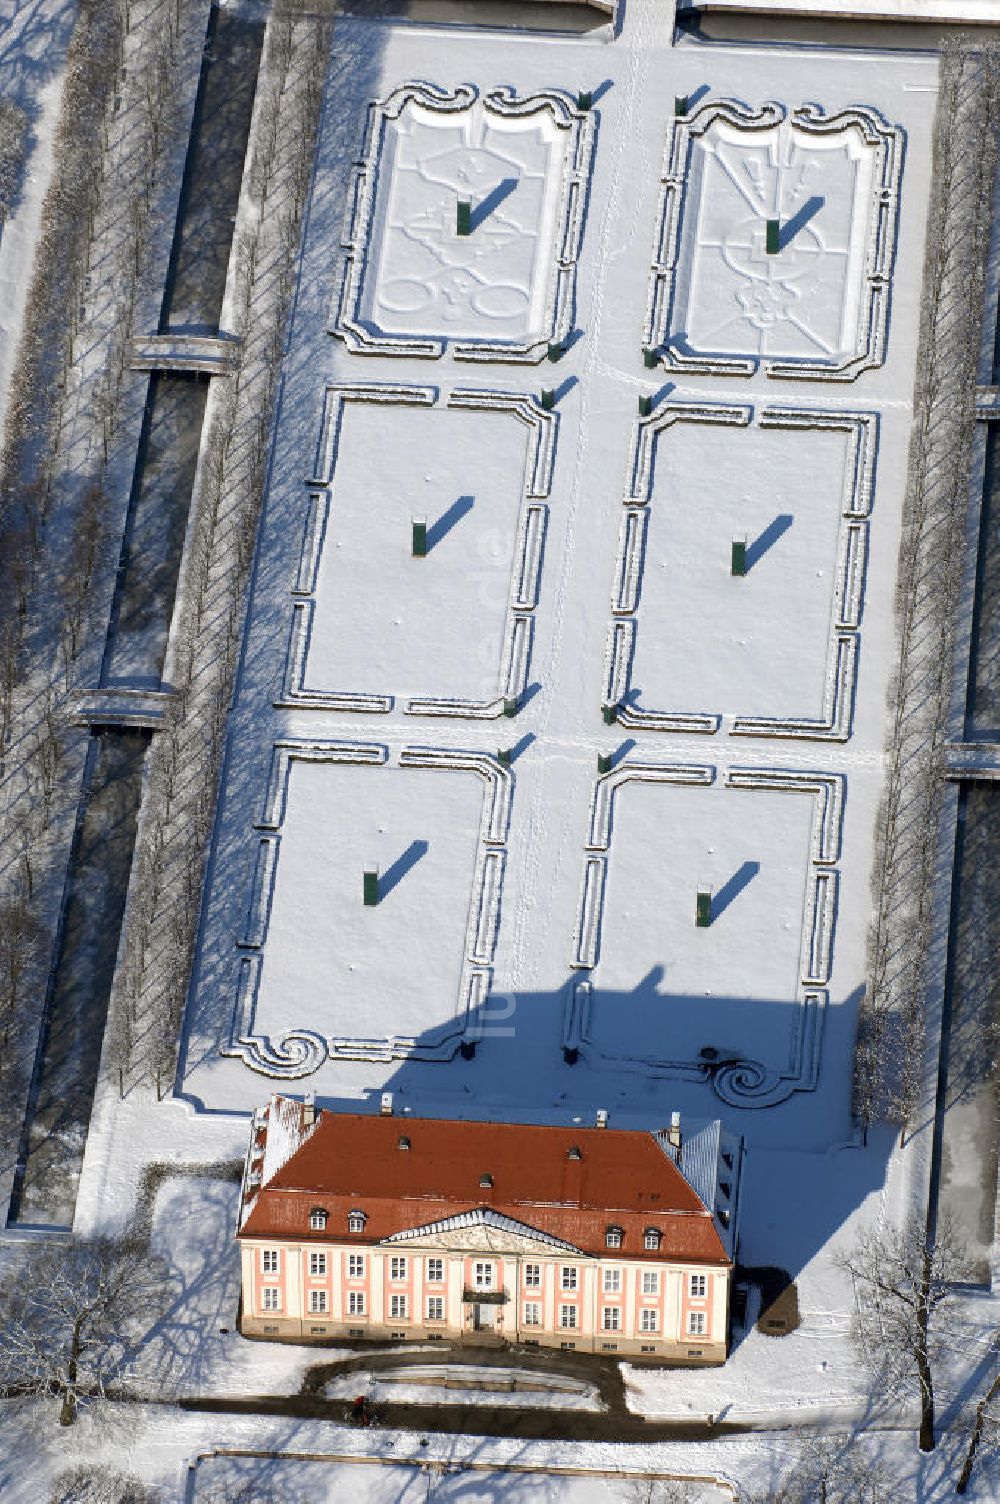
[[67, 1415], [977, 1433], [926, 1383]]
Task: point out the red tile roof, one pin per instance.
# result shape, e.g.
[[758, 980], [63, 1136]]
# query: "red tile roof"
[[354, 1161]]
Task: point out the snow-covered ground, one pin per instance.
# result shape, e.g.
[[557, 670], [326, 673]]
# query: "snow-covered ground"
[[534, 902]]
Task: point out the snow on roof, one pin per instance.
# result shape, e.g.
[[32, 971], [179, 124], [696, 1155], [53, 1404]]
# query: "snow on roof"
[[700, 1161], [279, 1128]]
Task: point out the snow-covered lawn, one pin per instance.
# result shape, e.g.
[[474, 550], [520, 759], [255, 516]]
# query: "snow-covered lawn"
[[385, 621]]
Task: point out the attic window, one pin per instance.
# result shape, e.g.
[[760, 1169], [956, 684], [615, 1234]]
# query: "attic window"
[[613, 1237], [356, 1221], [318, 1219], [402, 1142], [651, 1238], [486, 1181], [574, 1152]]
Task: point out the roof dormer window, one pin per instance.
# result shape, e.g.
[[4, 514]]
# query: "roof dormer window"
[[318, 1219], [651, 1238], [613, 1237], [356, 1221]]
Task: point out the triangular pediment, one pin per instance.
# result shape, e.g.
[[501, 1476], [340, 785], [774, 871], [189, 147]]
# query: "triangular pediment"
[[482, 1231]]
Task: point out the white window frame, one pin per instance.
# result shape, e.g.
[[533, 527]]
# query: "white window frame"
[[568, 1277], [435, 1308], [651, 1238], [269, 1260], [355, 1302], [567, 1318], [317, 1302], [317, 1264], [318, 1219], [397, 1308], [698, 1286], [397, 1268], [270, 1298], [612, 1282], [533, 1276], [612, 1319], [532, 1313], [435, 1271], [649, 1319], [355, 1266], [356, 1221], [697, 1324], [650, 1282], [482, 1275], [613, 1237]]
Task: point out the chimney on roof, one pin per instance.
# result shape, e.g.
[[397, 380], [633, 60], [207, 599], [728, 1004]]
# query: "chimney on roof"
[[386, 1108], [309, 1109], [602, 1117], [674, 1131]]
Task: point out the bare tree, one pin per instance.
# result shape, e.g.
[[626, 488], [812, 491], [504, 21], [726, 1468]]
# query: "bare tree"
[[902, 1278], [69, 1313], [827, 1469], [13, 135], [658, 1491], [985, 1427], [89, 1485], [21, 942]]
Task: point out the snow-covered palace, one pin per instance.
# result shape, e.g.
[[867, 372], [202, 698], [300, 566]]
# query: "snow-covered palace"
[[401, 1228]]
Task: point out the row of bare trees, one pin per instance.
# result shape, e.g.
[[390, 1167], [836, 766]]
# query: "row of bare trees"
[[13, 144], [889, 1062], [185, 762], [60, 516]]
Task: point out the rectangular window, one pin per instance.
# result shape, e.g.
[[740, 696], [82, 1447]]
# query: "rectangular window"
[[397, 1307], [532, 1313], [612, 1281], [533, 1275], [484, 1276], [355, 1303], [699, 1286], [272, 1298], [317, 1263], [613, 1237], [269, 1261], [435, 1271], [649, 1321], [397, 1268], [435, 1308], [568, 1277], [696, 1323], [650, 1282], [567, 1316], [612, 1319], [651, 1238], [317, 1300], [355, 1266]]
